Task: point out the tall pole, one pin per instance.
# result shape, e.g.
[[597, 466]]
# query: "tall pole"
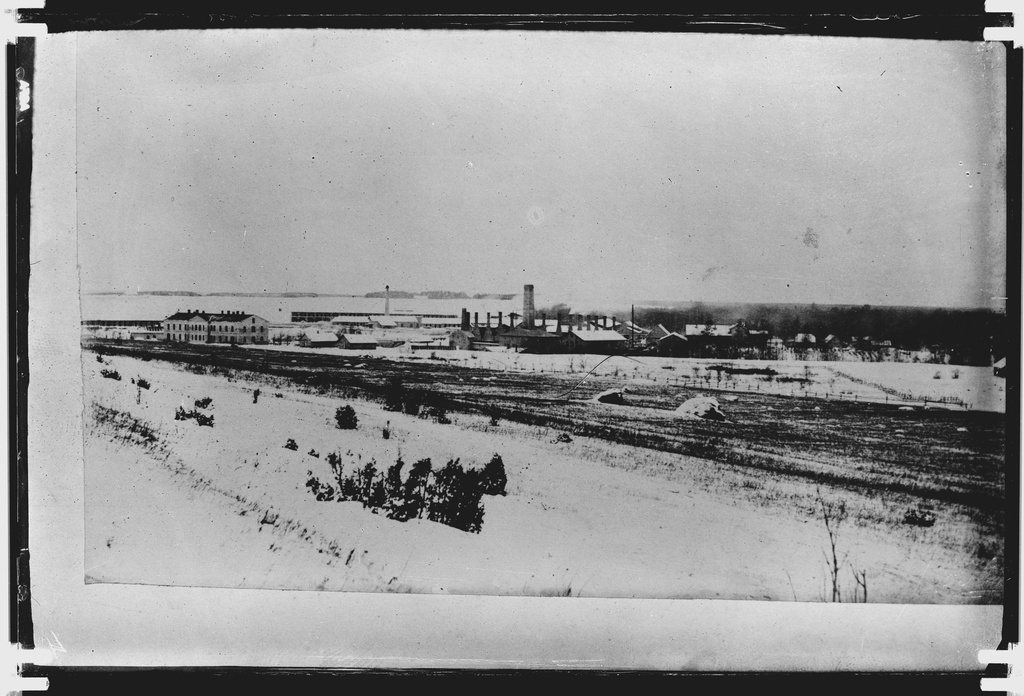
[[632, 326]]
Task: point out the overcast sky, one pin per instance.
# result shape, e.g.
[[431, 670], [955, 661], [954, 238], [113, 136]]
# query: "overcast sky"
[[597, 166]]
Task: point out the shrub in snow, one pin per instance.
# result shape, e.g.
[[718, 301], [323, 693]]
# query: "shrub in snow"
[[111, 374], [321, 491], [255, 395], [394, 395], [440, 415], [314, 453], [494, 420], [364, 480], [450, 496], [291, 444], [199, 417], [493, 479], [371, 487], [204, 403], [144, 383], [346, 418], [563, 437], [394, 491], [414, 495], [99, 358], [348, 486], [454, 498]]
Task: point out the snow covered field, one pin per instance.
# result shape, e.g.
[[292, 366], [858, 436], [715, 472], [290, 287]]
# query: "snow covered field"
[[228, 505], [920, 384]]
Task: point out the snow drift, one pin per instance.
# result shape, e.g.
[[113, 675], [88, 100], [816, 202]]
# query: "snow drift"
[[704, 407]]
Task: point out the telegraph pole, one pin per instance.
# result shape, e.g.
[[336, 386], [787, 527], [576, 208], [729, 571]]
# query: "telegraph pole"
[[632, 326]]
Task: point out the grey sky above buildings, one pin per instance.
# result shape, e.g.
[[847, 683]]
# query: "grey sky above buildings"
[[597, 166]]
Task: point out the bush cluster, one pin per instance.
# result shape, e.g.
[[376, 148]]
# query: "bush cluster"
[[399, 399], [204, 402], [142, 382], [345, 417], [111, 374], [450, 495], [195, 414], [291, 444]]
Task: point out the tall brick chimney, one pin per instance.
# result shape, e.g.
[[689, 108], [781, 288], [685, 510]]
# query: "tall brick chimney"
[[528, 308], [465, 319]]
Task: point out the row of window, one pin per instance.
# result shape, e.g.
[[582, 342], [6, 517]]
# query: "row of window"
[[216, 329], [206, 339]]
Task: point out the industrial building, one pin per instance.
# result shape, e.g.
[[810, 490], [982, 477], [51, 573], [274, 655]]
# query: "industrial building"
[[353, 321], [196, 326], [569, 334]]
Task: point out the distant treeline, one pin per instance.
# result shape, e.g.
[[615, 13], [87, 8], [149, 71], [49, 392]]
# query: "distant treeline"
[[187, 293], [968, 335], [400, 294], [439, 295]]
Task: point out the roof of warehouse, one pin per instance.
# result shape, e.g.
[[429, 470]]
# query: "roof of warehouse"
[[598, 335]]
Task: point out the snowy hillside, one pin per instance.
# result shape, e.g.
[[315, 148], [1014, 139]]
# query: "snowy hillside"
[[173, 502]]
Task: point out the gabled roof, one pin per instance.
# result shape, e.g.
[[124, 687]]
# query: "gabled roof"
[[186, 315], [675, 336], [318, 336], [356, 340], [207, 316], [383, 320], [598, 335], [231, 317]]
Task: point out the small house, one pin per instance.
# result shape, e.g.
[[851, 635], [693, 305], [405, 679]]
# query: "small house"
[[357, 342], [673, 345], [315, 338]]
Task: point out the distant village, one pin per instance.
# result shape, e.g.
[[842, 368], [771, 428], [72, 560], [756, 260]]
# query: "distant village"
[[531, 330]]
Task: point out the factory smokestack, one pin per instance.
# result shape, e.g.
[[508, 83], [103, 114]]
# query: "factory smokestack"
[[528, 308], [465, 319], [387, 300]]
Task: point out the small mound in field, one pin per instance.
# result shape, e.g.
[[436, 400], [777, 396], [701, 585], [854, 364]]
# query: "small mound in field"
[[704, 407], [919, 518], [611, 396]]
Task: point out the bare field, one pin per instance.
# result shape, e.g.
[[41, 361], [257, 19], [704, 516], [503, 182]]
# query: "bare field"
[[603, 500]]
